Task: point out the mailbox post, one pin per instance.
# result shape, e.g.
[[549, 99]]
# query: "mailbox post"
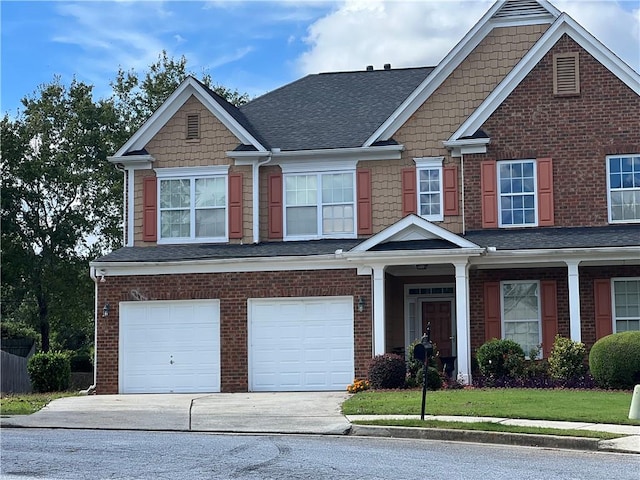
[[422, 351]]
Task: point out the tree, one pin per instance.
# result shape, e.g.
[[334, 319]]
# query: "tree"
[[58, 202]]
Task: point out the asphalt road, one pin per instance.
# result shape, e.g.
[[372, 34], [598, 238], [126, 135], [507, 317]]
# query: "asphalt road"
[[85, 454]]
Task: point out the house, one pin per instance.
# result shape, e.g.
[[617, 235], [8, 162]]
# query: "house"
[[280, 245]]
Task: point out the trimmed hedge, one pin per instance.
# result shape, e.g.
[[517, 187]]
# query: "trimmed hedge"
[[50, 371], [387, 371], [614, 360], [500, 358]]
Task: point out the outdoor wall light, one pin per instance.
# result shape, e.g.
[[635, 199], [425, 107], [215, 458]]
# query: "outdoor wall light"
[[105, 310], [360, 303]]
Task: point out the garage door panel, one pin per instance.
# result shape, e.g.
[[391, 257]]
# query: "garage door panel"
[[169, 346], [300, 344]]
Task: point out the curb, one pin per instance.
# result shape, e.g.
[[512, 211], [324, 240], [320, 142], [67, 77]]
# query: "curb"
[[476, 436]]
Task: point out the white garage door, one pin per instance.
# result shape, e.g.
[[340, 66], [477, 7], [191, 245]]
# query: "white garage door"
[[300, 344], [170, 346]]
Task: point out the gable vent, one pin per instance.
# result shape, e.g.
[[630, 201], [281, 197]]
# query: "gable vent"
[[566, 74], [521, 8], [193, 126]]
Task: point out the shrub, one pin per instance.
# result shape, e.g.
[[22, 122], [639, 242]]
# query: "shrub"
[[49, 372], [415, 371], [614, 360], [500, 358], [566, 360], [387, 371]]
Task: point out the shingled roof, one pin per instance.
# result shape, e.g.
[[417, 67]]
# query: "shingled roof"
[[330, 110]]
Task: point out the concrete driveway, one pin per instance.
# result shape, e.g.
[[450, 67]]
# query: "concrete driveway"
[[286, 412]]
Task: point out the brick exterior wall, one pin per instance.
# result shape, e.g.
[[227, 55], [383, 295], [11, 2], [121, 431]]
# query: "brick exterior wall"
[[477, 279], [233, 290], [576, 131]]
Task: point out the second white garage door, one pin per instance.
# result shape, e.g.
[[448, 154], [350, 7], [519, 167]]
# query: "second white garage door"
[[170, 346], [300, 344]]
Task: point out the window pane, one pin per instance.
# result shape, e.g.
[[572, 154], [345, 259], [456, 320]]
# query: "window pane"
[[337, 219], [302, 220], [175, 224], [520, 301], [429, 192], [337, 188], [301, 190], [517, 193], [210, 192], [175, 193], [210, 222], [627, 304]]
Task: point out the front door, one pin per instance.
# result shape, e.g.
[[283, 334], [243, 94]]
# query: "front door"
[[439, 314]]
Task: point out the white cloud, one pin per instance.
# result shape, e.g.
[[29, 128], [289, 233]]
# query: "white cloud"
[[420, 33], [403, 33]]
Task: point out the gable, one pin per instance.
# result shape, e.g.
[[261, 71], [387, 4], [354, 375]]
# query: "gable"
[[171, 148], [564, 25]]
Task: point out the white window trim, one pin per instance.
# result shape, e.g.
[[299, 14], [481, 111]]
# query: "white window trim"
[[430, 163], [609, 216], [613, 299], [191, 174], [502, 319], [318, 236], [535, 193]]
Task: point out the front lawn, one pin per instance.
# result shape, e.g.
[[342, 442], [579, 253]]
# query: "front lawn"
[[593, 406], [26, 404]]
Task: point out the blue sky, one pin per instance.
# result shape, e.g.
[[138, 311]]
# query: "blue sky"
[[254, 46]]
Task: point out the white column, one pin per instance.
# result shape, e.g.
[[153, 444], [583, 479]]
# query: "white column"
[[574, 300], [129, 205], [463, 334], [378, 311]]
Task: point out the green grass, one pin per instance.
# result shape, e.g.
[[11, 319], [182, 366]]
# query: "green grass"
[[26, 404], [544, 404], [491, 427]]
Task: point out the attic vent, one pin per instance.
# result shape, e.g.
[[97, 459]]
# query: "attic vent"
[[566, 74], [521, 8], [193, 126]]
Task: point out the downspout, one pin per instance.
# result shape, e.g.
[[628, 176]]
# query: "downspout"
[[256, 197], [92, 274], [464, 227]]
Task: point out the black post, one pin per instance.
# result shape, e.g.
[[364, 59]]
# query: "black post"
[[428, 350]]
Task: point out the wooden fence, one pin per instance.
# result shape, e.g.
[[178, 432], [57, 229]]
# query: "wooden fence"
[[15, 378]]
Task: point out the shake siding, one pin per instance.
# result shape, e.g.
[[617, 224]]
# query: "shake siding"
[[442, 114], [577, 132], [170, 149]]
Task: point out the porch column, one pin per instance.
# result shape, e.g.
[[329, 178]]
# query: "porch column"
[[463, 336], [378, 311], [574, 300]]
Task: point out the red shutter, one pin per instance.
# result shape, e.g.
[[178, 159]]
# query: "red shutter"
[[149, 209], [235, 205], [409, 195], [488, 182], [492, 316], [363, 186], [450, 189], [549, 302], [602, 300], [545, 192], [275, 205]]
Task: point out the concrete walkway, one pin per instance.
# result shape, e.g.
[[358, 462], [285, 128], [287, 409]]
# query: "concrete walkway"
[[288, 413]]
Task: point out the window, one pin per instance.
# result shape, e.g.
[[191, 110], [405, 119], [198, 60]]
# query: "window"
[[192, 208], [626, 304], [319, 205], [430, 188], [517, 189], [623, 185], [521, 313]]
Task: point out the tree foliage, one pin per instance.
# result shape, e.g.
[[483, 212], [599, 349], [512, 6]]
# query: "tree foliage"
[[62, 199]]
